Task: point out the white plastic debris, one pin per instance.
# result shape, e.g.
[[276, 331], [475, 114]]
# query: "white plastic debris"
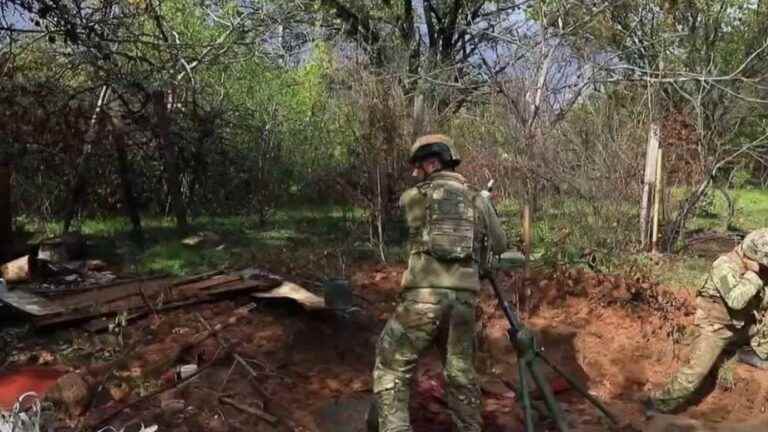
[[22, 419]]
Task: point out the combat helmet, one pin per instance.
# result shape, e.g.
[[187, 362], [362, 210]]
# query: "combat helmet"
[[755, 246], [435, 145]]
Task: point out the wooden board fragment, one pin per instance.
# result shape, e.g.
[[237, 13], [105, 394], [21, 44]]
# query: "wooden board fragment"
[[29, 303], [162, 294], [294, 292]]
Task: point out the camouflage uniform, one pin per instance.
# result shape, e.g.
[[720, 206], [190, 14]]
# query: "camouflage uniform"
[[729, 309], [437, 291]]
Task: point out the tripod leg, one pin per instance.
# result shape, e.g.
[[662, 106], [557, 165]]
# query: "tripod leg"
[[549, 397], [524, 395], [581, 390]]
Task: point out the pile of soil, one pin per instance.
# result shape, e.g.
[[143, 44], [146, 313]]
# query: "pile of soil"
[[620, 338]]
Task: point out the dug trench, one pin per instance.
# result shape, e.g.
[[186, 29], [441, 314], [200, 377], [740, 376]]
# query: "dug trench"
[[296, 370]]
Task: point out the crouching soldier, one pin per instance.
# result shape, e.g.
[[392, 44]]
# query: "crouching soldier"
[[452, 227], [730, 309]]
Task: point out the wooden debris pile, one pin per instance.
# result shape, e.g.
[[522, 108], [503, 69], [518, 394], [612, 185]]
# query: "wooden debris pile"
[[149, 296]]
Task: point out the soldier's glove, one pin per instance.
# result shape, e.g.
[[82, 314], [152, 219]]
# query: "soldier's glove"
[[751, 265], [752, 277]]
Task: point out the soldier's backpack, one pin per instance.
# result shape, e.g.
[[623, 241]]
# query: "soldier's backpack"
[[449, 228]]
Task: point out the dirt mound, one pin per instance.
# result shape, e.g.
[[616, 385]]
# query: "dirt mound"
[[620, 338]]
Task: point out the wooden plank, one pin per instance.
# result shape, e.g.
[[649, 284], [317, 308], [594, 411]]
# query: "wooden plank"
[[207, 283], [290, 290], [113, 293], [101, 324], [166, 297], [657, 201], [151, 288], [198, 277], [651, 154], [29, 303]]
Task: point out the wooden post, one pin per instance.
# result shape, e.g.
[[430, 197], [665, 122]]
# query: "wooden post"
[[527, 237], [654, 132], [657, 202], [6, 215], [419, 119]]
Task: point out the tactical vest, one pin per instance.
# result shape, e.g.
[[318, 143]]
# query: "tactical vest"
[[448, 233]]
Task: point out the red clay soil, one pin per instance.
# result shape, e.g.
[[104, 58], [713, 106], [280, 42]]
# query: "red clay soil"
[[13, 384], [622, 338], [313, 370]]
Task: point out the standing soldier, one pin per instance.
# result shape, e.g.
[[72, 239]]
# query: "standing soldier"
[[452, 227], [730, 307]]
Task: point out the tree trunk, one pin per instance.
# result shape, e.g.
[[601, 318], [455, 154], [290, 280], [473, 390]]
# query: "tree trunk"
[[6, 215], [170, 160], [731, 209], [129, 199], [77, 191], [77, 195], [675, 229]]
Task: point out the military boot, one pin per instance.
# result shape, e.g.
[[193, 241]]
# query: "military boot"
[[751, 358]]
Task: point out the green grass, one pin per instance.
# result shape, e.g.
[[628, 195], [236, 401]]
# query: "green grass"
[[751, 207], [689, 270], [686, 272], [329, 240], [244, 241], [565, 228]]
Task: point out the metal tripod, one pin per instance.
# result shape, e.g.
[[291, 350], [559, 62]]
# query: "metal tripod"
[[529, 355]]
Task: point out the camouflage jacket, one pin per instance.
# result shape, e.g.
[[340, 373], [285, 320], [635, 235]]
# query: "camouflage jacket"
[[425, 271], [730, 281]]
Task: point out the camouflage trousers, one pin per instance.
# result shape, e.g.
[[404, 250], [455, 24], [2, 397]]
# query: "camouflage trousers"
[[408, 333], [717, 330]]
